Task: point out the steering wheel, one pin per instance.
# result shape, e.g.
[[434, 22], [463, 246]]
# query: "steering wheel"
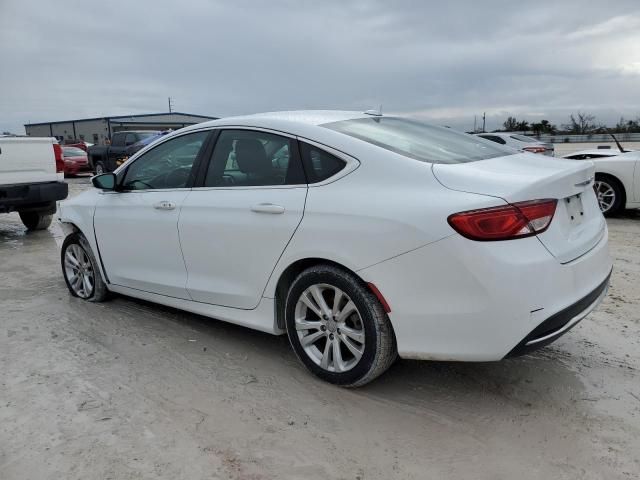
[[176, 179], [228, 179], [132, 182]]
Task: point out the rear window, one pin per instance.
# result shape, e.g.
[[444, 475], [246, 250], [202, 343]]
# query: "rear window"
[[418, 140]]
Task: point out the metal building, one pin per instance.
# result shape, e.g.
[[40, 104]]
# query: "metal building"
[[97, 130]]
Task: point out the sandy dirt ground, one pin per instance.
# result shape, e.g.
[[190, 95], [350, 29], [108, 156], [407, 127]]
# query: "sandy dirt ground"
[[130, 390]]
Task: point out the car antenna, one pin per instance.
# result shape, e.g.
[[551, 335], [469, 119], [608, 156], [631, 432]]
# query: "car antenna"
[[375, 113], [622, 150]]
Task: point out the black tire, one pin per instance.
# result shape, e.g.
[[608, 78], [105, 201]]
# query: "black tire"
[[100, 168], [36, 220], [99, 292], [379, 351], [615, 185]]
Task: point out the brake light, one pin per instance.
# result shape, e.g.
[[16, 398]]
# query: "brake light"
[[517, 220], [57, 152], [534, 149]]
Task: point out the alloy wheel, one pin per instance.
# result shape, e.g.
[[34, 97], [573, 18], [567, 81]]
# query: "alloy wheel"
[[606, 195], [79, 271], [329, 328]]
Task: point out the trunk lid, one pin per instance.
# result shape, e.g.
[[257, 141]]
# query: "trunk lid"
[[578, 224]]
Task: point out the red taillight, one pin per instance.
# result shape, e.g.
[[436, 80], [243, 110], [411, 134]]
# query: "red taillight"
[[57, 151], [534, 149], [517, 220]]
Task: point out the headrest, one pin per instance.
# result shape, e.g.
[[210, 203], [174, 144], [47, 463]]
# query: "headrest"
[[251, 157]]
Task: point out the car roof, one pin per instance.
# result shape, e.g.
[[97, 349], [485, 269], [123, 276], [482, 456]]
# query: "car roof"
[[297, 122], [138, 131], [499, 134], [308, 117]]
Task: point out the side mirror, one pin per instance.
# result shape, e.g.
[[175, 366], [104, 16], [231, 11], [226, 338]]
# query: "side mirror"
[[106, 181]]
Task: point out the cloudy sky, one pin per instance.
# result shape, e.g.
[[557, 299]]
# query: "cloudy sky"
[[445, 61]]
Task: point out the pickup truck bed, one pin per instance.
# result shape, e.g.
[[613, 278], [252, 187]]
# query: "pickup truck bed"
[[31, 179]]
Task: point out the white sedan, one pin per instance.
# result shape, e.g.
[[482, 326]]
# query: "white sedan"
[[617, 183], [520, 142], [361, 236]]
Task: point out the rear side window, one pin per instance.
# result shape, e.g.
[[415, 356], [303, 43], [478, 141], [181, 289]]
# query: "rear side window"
[[418, 140], [247, 158], [318, 164]]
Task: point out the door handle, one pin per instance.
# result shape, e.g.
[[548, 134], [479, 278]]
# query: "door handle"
[[164, 205], [268, 208]]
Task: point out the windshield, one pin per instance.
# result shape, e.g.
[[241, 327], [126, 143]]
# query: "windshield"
[[419, 141], [73, 152]]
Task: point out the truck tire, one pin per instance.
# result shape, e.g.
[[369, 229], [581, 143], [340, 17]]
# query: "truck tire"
[[36, 220], [100, 168]]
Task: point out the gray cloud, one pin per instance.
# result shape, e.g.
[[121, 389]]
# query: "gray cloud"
[[445, 62]]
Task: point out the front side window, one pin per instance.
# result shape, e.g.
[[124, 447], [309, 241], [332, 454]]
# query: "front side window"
[[166, 166], [418, 140], [246, 158]]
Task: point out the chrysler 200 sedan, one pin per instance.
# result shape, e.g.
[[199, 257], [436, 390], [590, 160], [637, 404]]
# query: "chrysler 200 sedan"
[[361, 236]]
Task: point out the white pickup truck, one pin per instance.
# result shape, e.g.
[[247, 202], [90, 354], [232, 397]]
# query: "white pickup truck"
[[31, 179]]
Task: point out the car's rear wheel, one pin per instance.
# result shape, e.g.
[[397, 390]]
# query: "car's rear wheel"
[[338, 328], [80, 269], [36, 220], [100, 168], [609, 192]]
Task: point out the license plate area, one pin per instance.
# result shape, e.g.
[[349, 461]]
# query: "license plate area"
[[575, 210]]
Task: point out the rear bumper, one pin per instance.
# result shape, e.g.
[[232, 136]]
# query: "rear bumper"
[[457, 299], [560, 323], [32, 196]]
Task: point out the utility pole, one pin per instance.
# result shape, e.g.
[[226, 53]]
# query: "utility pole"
[[484, 117], [474, 124], [170, 106]]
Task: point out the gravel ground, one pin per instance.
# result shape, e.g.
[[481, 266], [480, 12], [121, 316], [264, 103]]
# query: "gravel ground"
[[130, 390]]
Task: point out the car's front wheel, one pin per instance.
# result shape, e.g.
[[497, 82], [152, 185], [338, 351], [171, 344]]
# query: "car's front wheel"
[[337, 327], [80, 269]]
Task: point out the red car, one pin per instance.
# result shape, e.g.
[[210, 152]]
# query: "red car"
[[75, 160]]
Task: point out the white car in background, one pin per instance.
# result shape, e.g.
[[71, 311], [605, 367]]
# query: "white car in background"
[[519, 142], [361, 236], [617, 180]]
